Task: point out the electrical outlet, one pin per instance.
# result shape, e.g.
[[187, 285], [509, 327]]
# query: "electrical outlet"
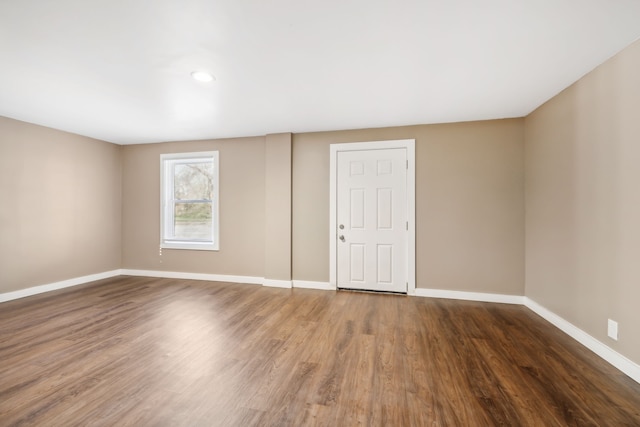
[[612, 329]]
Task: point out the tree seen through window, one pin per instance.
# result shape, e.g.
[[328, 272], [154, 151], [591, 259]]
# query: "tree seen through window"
[[193, 195]]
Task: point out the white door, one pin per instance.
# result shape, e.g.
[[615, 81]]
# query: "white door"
[[371, 220]]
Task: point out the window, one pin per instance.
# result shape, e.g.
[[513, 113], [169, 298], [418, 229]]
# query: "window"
[[189, 201]]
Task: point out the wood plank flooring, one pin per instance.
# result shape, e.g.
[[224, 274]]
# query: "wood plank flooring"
[[160, 352]]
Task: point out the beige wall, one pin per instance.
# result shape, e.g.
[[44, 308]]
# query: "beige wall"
[[469, 203], [277, 243], [60, 205], [583, 202], [242, 209]]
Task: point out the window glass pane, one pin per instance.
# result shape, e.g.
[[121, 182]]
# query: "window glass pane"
[[193, 181], [192, 221]]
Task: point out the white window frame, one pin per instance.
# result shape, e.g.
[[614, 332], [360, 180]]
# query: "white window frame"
[[167, 164]]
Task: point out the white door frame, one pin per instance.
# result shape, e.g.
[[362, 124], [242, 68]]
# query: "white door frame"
[[409, 145]]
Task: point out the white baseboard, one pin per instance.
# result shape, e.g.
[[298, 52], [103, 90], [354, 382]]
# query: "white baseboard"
[[193, 276], [325, 286], [252, 280], [276, 283], [627, 366], [8, 296], [470, 296]]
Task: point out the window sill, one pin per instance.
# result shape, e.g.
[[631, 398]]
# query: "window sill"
[[189, 246]]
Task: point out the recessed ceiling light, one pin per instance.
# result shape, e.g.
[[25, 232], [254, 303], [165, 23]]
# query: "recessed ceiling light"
[[202, 76]]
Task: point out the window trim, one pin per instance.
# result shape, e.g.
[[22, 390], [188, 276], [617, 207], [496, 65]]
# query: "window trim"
[[166, 188]]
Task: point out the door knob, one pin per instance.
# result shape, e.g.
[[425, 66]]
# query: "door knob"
[[341, 227], [341, 237]]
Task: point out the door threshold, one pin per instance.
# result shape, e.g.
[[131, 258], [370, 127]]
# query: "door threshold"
[[372, 291]]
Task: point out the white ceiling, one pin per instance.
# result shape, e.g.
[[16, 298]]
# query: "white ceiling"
[[119, 70]]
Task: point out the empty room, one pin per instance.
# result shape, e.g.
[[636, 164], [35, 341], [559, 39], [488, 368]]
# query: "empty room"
[[296, 213]]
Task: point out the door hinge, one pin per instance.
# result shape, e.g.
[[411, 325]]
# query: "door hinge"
[[407, 225], [407, 164]]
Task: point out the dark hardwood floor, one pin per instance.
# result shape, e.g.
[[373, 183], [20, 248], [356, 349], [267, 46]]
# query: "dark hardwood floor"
[[159, 352]]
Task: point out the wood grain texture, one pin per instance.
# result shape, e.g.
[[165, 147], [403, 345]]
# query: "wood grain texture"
[[162, 352]]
